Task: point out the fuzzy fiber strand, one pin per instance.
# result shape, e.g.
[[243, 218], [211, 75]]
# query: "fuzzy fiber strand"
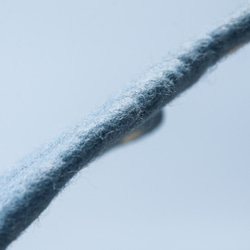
[[29, 187]]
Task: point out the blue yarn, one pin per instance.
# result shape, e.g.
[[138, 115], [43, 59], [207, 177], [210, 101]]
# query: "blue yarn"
[[28, 188]]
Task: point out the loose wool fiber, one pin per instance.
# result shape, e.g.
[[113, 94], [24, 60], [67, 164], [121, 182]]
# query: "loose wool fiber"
[[28, 188]]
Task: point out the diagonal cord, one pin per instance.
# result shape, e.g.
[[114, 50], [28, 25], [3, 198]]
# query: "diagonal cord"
[[28, 188]]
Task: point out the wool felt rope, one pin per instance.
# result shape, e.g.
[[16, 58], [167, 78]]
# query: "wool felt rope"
[[28, 188]]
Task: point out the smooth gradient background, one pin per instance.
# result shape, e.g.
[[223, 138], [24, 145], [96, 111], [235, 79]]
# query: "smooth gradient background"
[[186, 186]]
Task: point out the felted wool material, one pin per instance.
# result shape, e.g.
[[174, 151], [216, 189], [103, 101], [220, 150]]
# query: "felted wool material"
[[28, 188]]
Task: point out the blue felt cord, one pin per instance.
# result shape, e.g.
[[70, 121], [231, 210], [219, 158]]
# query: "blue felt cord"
[[28, 188]]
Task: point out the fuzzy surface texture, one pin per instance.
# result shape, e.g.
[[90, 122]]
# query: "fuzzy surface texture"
[[29, 187]]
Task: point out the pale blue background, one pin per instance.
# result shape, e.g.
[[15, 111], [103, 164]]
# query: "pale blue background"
[[186, 186]]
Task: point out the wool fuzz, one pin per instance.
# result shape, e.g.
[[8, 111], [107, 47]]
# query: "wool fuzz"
[[28, 188]]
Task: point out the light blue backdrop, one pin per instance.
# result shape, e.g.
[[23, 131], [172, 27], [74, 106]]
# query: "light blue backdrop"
[[186, 186]]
